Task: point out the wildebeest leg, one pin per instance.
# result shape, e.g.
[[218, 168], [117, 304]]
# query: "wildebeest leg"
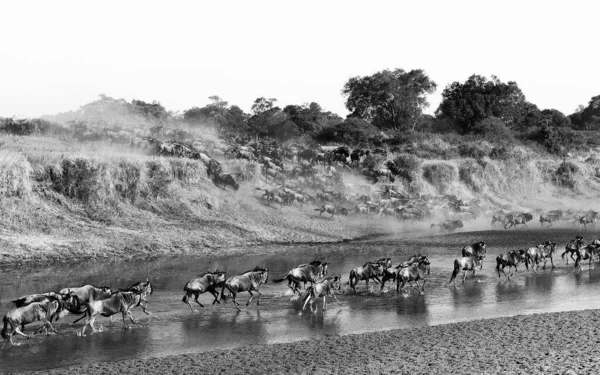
[[552, 262], [215, 294], [83, 316], [17, 330], [259, 295], [324, 303], [335, 298], [464, 276], [308, 301], [251, 296], [423, 287], [131, 317], [196, 300], [124, 323]]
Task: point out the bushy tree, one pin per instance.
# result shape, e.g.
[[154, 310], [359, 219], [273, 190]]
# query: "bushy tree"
[[587, 118], [471, 102], [389, 99]]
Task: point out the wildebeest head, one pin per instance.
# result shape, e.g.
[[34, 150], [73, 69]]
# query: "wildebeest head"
[[336, 282], [218, 277], [264, 273], [70, 300]]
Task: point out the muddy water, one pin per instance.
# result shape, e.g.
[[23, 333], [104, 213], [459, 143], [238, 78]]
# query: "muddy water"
[[173, 329]]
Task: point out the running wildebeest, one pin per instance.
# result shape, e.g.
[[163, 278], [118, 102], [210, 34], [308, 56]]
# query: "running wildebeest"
[[86, 294], [43, 311], [145, 289], [469, 263], [28, 300], [333, 210], [572, 248], [414, 272], [518, 219], [304, 273], [510, 259], [499, 218], [477, 249], [206, 282], [367, 271], [547, 250], [118, 302], [449, 225], [322, 289], [248, 281], [549, 219], [586, 220], [586, 253]]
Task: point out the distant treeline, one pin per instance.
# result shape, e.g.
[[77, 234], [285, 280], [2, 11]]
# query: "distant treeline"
[[386, 108]]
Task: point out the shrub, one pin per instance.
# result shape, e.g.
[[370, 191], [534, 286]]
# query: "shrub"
[[158, 179], [15, 172], [565, 174], [471, 151], [471, 173], [440, 175]]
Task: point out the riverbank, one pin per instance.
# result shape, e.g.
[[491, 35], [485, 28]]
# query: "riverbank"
[[553, 343]]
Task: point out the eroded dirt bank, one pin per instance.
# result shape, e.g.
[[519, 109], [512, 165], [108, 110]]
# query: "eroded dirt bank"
[[554, 343]]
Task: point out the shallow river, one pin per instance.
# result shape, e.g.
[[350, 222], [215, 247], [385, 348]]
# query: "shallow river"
[[173, 329]]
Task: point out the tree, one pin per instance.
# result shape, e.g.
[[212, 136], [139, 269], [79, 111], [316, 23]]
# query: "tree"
[[389, 99], [587, 118], [554, 118], [471, 102], [310, 117], [151, 111], [262, 119]]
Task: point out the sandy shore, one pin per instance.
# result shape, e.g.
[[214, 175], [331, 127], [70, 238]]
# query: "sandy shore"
[[553, 343]]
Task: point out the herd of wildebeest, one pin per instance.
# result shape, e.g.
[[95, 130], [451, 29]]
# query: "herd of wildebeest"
[[91, 301]]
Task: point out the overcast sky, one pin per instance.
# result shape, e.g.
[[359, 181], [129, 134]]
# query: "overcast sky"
[[58, 55]]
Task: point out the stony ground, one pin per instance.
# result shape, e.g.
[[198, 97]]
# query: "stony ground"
[[554, 343]]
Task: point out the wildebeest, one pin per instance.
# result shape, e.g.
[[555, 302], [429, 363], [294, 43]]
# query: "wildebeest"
[[477, 249], [118, 302], [43, 311], [449, 225], [226, 179], [28, 300], [572, 248], [510, 259], [586, 253], [549, 219], [206, 282], [414, 272], [586, 220], [499, 218], [145, 289], [304, 273], [248, 281], [87, 294], [322, 289], [367, 271], [469, 263], [547, 250], [518, 219], [333, 210]]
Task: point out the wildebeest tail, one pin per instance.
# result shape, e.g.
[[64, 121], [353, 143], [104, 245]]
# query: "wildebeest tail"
[[455, 271], [283, 278]]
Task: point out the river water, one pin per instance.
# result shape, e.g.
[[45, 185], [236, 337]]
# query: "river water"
[[173, 329]]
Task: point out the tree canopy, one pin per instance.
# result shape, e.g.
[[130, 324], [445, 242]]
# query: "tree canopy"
[[471, 102], [389, 99]]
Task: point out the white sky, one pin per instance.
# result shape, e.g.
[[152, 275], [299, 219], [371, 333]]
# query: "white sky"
[[58, 55]]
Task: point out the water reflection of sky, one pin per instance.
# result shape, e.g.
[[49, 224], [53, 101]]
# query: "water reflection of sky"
[[172, 329]]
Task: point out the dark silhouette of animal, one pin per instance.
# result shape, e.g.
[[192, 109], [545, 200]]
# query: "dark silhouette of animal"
[[304, 273], [226, 179], [322, 289], [586, 220], [369, 270], [572, 248], [333, 210], [510, 259], [118, 302], [465, 264], [249, 281], [206, 282], [448, 225]]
